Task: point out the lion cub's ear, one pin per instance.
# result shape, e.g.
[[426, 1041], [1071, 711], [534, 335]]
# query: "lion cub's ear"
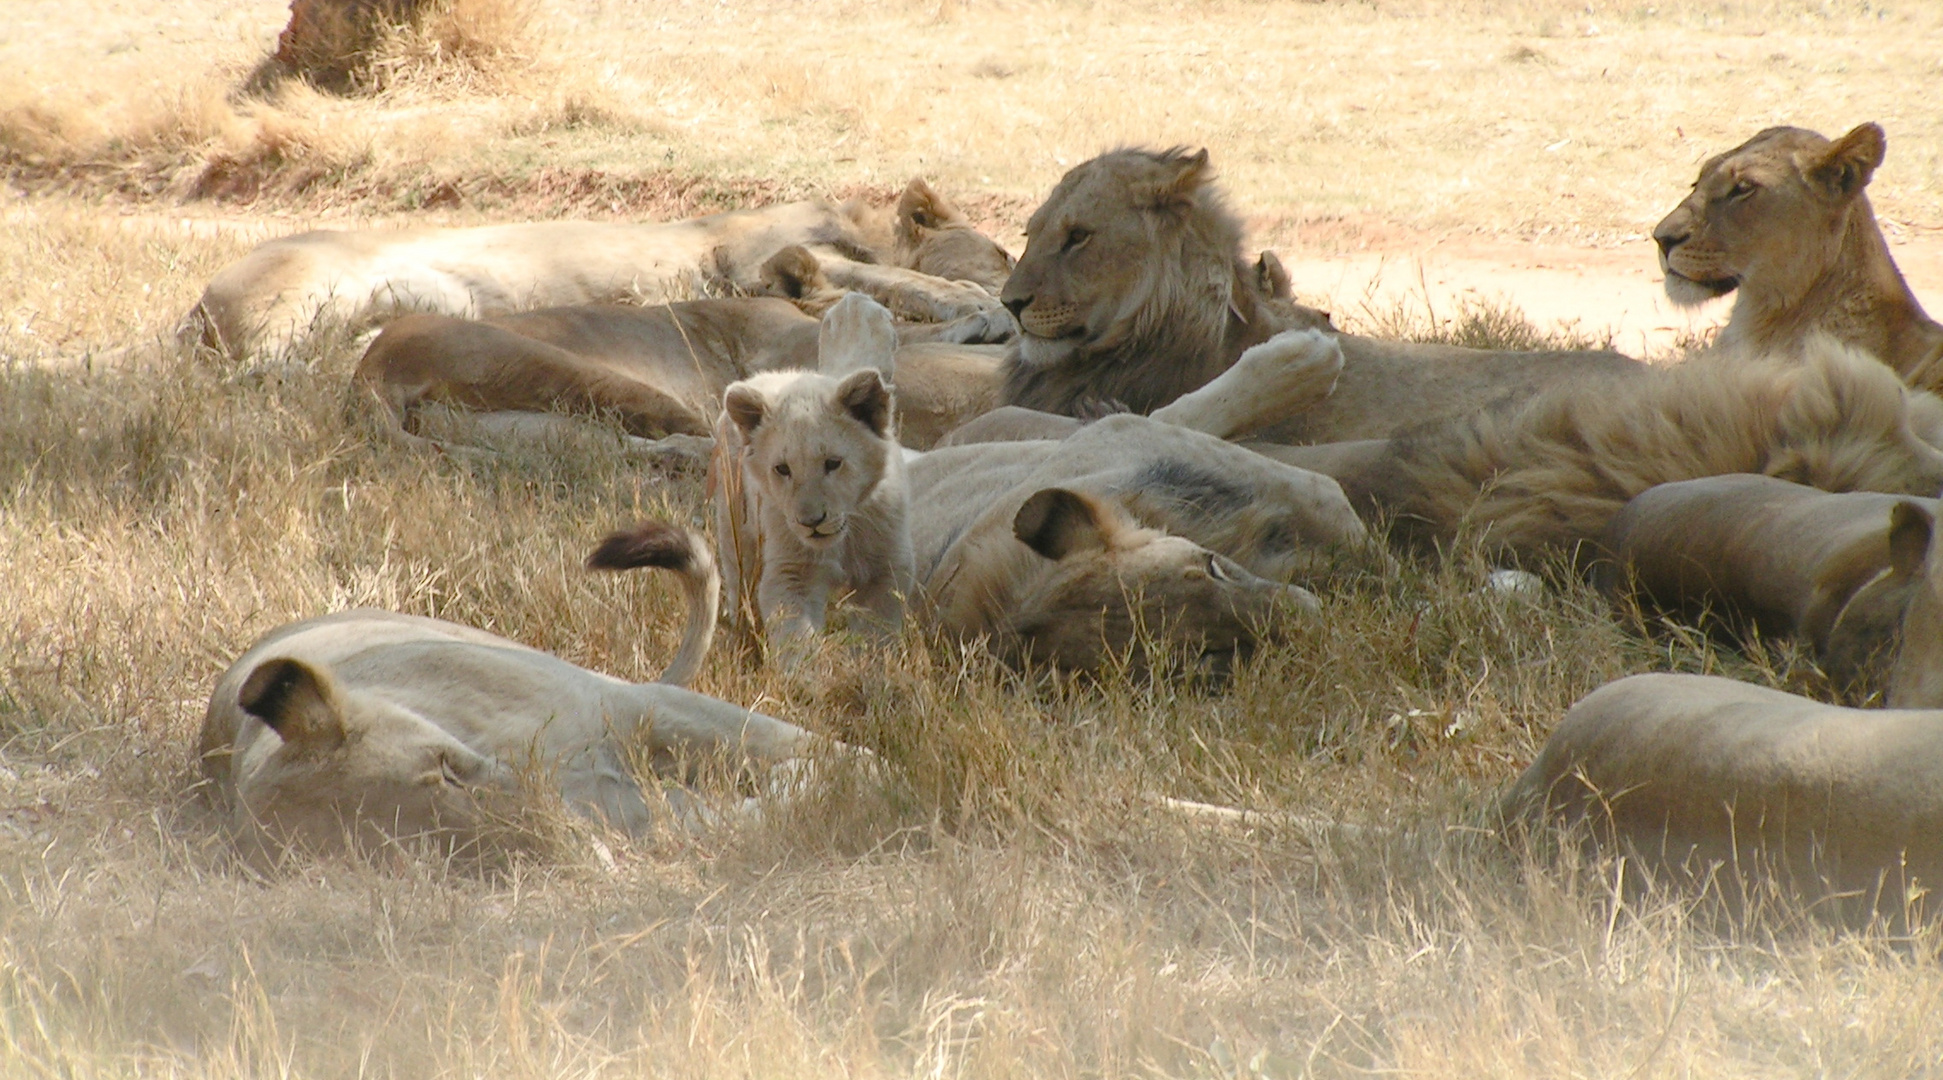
[[745, 406], [1057, 522], [1850, 161], [296, 701], [1910, 530], [921, 208], [865, 397]]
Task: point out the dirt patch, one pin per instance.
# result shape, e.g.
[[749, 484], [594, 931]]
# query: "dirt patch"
[[1611, 291]]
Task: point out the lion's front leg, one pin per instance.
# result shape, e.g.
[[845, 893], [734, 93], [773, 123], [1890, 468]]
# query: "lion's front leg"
[[882, 601], [794, 599]]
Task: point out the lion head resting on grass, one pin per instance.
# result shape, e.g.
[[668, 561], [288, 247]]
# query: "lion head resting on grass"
[[1784, 219], [1132, 287], [365, 728]]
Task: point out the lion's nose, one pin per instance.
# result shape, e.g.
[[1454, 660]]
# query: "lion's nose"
[[809, 522], [1017, 305], [1669, 238]]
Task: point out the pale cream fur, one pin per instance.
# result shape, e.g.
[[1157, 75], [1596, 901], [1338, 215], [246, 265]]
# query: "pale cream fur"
[[374, 727], [810, 492], [1078, 552]]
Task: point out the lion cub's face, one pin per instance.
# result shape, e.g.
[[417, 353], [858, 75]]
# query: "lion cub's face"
[[1770, 213], [1092, 247], [1115, 587], [355, 768], [816, 448]]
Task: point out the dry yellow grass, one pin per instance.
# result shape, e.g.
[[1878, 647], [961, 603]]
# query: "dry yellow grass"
[[1006, 901]]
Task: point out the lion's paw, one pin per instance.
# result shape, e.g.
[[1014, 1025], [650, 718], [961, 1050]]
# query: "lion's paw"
[[857, 333], [1281, 377], [1292, 366], [993, 326]]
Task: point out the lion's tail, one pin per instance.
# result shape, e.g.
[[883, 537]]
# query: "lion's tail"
[[686, 552]]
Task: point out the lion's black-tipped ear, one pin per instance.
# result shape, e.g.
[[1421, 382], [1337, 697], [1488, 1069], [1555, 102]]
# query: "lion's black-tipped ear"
[[294, 700], [864, 396], [651, 543], [1849, 163], [921, 207], [745, 406], [1911, 527], [1181, 175], [794, 273], [1057, 522], [1273, 278]]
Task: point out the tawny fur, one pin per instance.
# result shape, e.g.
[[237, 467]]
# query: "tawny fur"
[[1553, 472], [1133, 290], [270, 301], [1784, 221]]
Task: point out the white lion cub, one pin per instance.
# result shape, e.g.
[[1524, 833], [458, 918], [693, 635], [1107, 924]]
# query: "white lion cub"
[[810, 496]]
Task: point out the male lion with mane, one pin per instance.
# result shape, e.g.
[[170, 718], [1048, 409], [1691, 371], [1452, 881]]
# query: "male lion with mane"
[[1132, 289]]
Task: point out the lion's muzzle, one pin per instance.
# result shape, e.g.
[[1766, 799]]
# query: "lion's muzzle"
[[1048, 320]]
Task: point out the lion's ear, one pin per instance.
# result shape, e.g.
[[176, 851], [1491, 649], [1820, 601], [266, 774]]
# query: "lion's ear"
[[1911, 527], [1850, 161], [793, 272], [864, 396], [1181, 175], [745, 406], [296, 701], [921, 208], [1273, 278], [1057, 522]]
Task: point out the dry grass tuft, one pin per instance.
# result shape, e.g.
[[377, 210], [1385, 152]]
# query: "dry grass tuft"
[[1475, 324], [375, 46], [193, 144]]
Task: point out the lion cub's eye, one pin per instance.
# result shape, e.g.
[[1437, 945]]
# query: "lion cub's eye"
[[831, 465], [1077, 237], [782, 468]]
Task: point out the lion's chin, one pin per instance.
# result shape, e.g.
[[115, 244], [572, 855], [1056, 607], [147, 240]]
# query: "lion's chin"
[[1687, 292], [1036, 351]]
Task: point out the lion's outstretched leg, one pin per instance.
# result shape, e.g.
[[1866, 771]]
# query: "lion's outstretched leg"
[[857, 332], [1281, 377]]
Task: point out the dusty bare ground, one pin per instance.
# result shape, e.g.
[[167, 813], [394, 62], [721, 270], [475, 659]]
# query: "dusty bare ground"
[[1006, 902]]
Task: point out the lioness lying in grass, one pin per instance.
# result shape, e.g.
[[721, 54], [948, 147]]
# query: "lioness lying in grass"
[[365, 728]]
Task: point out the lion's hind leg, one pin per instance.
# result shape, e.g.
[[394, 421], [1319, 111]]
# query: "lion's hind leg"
[[1288, 373]]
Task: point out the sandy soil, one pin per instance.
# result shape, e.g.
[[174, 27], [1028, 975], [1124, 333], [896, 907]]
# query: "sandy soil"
[[1596, 290]]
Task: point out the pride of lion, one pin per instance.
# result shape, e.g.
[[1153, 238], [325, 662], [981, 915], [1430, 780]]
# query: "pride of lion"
[[1133, 450]]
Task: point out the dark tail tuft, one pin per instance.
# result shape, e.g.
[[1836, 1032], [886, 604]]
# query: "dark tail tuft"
[[651, 543]]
